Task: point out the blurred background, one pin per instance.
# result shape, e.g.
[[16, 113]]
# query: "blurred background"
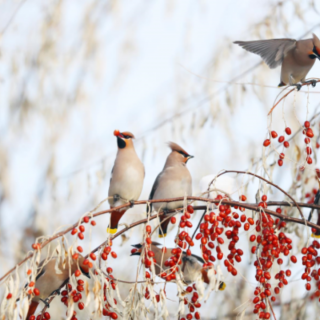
[[72, 72]]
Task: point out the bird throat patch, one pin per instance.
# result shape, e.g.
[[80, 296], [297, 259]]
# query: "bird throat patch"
[[121, 143]]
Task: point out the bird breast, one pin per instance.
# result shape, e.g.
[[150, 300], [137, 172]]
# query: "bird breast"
[[173, 182]]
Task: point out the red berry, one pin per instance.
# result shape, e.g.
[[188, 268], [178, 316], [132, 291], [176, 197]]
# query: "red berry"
[[288, 131], [148, 229], [114, 255], [36, 291], [274, 134], [281, 139], [79, 248], [266, 143], [307, 124], [280, 163], [190, 209], [93, 223], [306, 140], [281, 156], [293, 259], [47, 315], [81, 305], [243, 198], [80, 235], [93, 256], [264, 198], [86, 219], [286, 144], [9, 296], [309, 133], [173, 220], [82, 228], [309, 160]]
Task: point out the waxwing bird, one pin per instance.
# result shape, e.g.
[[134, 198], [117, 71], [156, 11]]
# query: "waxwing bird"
[[191, 266], [173, 181], [316, 234], [296, 57], [126, 177], [48, 280]]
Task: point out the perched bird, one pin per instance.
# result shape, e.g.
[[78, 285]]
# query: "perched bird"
[[48, 280], [296, 57], [173, 181], [190, 267], [126, 177], [316, 233]]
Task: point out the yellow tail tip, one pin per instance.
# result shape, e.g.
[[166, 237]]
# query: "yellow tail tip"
[[162, 235], [315, 236], [222, 286], [112, 231]]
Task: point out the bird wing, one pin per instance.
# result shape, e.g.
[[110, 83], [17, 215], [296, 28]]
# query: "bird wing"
[[153, 190], [271, 51]]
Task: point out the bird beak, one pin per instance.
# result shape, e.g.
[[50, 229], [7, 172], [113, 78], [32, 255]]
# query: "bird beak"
[[222, 286], [85, 273], [190, 157], [118, 134], [137, 249]]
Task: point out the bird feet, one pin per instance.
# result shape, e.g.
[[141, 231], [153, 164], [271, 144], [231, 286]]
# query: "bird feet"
[[46, 302], [313, 82], [298, 86], [131, 203], [116, 197]]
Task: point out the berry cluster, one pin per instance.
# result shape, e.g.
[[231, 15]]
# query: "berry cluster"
[[307, 131], [193, 304], [310, 259], [82, 228], [272, 247]]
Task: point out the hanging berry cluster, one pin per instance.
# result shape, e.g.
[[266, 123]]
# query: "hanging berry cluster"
[[269, 248], [212, 229]]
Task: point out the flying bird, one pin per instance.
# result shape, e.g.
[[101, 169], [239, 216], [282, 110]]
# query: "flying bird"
[[49, 281], [191, 266], [296, 57], [126, 178], [173, 181]]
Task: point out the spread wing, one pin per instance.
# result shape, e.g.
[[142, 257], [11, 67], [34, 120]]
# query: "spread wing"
[[153, 190], [271, 51]]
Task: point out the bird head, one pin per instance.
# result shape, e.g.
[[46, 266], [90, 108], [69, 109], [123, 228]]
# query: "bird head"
[[315, 53], [83, 267], [124, 139], [137, 249], [179, 153]]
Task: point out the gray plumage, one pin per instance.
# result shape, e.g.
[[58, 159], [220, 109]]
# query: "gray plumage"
[[271, 51], [296, 57]]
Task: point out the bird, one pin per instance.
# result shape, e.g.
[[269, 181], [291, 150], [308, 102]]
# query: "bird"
[[296, 57], [173, 181], [49, 281], [126, 178], [190, 266], [316, 233]]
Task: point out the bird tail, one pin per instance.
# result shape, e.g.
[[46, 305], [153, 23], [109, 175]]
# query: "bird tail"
[[32, 308], [114, 220], [163, 226], [206, 279]]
